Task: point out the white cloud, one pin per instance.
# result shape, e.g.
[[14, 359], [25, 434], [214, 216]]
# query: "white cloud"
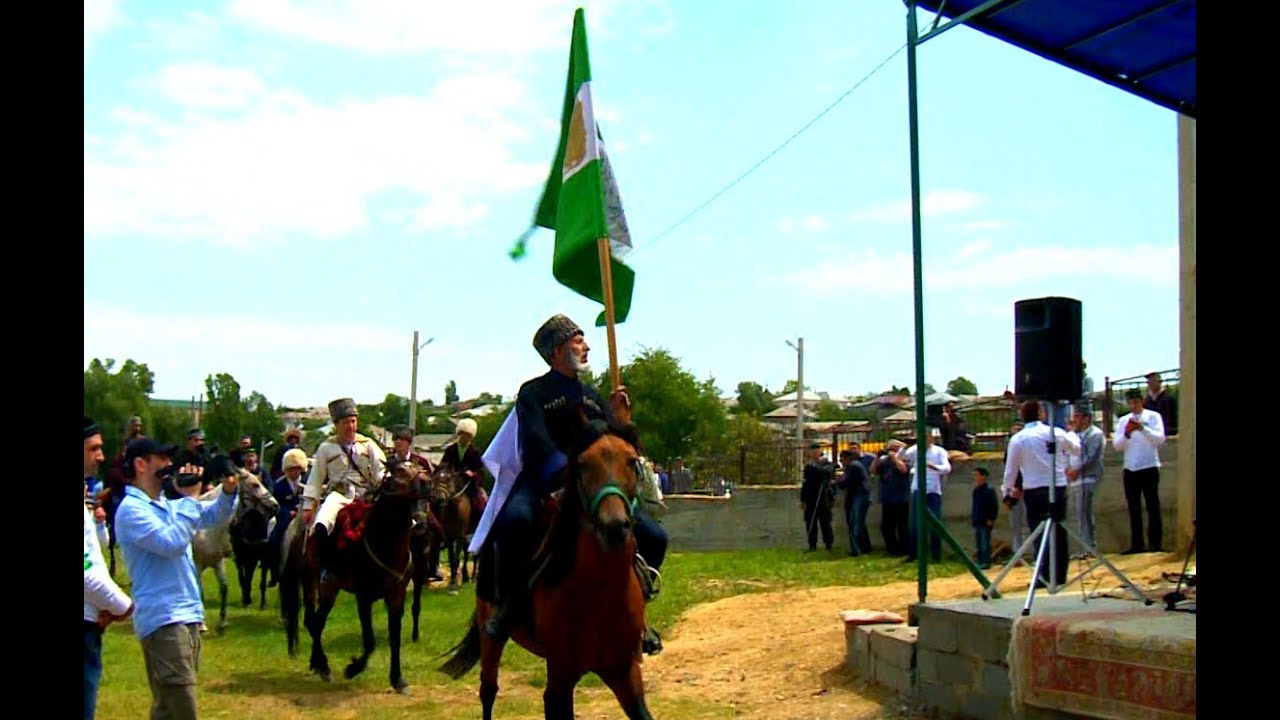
[[812, 223], [202, 85], [982, 226], [99, 17], [935, 203], [412, 26], [973, 249], [286, 164], [978, 265], [194, 33]]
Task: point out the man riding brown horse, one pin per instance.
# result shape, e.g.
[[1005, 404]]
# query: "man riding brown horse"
[[549, 411], [346, 466]]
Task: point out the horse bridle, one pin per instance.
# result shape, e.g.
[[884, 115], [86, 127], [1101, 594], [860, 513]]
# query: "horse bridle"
[[611, 487]]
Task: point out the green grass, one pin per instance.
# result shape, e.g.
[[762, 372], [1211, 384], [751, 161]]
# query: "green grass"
[[247, 673]]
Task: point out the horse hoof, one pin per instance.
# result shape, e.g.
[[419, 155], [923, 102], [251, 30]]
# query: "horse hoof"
[[326, 676], [352, 670], [453, 591], [204, 628], [402, 688]]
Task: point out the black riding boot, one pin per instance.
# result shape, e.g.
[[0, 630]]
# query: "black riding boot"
[[511, 591], [651, 644], [324, 550]]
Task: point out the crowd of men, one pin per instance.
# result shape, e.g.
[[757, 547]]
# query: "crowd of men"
[[157, 497], [1069, 453]]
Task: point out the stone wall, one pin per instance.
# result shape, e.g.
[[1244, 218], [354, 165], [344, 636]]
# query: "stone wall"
[[770, 516]]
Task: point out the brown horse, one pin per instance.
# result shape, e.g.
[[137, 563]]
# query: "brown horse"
[[590, 617], [451, 504], [375, 567]]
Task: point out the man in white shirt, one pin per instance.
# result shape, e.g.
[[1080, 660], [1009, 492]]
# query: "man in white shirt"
[[1041, 453], [1139, 435], [937, 465], [104, 601]]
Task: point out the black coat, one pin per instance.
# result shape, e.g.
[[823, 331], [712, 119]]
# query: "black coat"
[[550, 427]]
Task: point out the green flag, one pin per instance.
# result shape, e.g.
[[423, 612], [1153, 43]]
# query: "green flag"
[[580, 201]]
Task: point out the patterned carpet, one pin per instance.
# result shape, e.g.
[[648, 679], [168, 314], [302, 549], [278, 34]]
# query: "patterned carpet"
[[1126, 665]]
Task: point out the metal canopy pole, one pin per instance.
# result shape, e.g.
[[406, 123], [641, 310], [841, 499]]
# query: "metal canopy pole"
[[926, 521], [922, 527]]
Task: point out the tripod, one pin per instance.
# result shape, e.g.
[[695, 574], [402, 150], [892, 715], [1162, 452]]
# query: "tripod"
[[1048, 542], [1172, 599]]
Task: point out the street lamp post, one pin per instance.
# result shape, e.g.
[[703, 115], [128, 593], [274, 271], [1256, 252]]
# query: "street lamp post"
[[413, 384], [799, 398]]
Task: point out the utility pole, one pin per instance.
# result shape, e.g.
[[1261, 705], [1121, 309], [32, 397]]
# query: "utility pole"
[[413, 383], [799, 348]]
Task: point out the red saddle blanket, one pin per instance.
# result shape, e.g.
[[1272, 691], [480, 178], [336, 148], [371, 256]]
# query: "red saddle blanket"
[[350, 523]]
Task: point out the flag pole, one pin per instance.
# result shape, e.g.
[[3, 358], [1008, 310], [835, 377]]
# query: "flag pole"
[[606, 283]]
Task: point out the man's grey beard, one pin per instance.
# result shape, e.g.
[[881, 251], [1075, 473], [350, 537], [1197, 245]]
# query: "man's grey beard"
[[577, 365]]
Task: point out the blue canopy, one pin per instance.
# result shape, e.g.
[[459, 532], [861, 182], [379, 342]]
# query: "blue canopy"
[[1147, 47]]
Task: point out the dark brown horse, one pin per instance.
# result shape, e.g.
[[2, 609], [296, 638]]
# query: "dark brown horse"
[[375, 567], [589, 617], [451, 504]]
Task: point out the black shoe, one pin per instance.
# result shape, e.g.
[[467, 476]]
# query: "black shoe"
[[652, 642]]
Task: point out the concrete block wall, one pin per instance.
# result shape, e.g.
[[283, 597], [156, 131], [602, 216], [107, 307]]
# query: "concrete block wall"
[[882, 654], [953, 664], [770, 516], [962, 668]]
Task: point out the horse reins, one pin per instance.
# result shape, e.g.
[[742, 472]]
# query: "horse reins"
[[397, 575]]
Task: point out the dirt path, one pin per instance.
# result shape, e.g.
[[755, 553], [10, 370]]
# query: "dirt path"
[[781, 654]]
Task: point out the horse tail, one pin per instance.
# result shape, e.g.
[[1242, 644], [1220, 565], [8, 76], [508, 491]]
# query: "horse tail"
[[465, 654], [290, 584]]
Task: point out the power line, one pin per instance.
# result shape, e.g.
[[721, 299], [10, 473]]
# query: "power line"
[[775, 151], [658, 238]]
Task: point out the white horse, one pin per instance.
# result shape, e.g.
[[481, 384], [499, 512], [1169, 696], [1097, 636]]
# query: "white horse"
[[212, 546]]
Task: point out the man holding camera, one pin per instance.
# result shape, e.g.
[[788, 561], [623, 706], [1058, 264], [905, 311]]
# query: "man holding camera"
[[155, 534], [817, 495], [1039, 452]]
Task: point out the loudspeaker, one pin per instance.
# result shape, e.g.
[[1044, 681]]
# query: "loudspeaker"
[[1047, 349]]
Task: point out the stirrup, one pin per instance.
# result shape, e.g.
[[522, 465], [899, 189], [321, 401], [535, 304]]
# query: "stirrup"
[[651, 644], [650, 578]]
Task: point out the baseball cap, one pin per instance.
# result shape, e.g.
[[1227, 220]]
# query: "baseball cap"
[[146, 447]]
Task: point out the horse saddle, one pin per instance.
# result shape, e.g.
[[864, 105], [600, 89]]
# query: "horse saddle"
[[350, 524]]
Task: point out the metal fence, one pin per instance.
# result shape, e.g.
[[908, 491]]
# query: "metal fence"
[[1113, 403], [770, 463]]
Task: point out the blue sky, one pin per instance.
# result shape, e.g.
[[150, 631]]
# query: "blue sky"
[[284, 191]]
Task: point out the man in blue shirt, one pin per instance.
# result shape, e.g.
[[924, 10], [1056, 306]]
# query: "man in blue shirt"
[[155, 535]]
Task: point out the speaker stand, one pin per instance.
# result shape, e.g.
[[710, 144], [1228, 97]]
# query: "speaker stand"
[[1045, 533]]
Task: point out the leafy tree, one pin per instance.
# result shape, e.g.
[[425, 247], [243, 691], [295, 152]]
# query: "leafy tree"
[[674, 412], [261, 421], [392, 411], [754, 399], [829, 411], [962, 386], [451, 393], [224, 416], [111, 398]]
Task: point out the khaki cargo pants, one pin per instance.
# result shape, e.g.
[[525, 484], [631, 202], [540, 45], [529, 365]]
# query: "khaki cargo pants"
[[172, 656]]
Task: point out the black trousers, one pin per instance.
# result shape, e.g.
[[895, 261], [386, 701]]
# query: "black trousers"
[[893, 527], [822, 511], [1142, 485], [1039, 508]]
